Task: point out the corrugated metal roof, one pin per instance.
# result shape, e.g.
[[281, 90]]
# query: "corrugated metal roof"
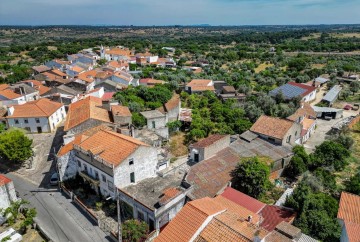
[[283, 197], [325, 109], [306, 238], [332, 94], [321, 79]]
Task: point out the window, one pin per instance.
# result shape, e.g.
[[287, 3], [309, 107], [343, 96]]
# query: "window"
[[16, 121], [96, 175], [132, 177], [153, 124], [37, 120], [110, 186], [288, 139], [295, 133], [79, 163], [131, 162], [85, 167], [26, 121], [103, 177]]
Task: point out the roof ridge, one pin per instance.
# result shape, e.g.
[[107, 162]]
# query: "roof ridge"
[[125, 137]]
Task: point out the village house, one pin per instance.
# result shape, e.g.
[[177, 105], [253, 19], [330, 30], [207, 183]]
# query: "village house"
[[306, 116], [212, 175], [109, 85], [37, 85], [119, 65], [349, 217], [278, 131], [117, 53], [149, 82], [40, 69], [86, 113], [107, 160], [192, 69], [293, 90], [213, 219], [57, 64], [199, 85], [62, 94], [171, 108], [17, 94], [121, 115], [156, 121], [7, 192], [124, 79], [208, 147], [156, 200], [40, 116], [318, 82]]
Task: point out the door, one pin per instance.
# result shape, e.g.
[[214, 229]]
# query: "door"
[[196, 157], [153, 124], [39, 129]]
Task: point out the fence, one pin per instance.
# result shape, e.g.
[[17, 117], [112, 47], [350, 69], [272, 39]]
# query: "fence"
[[354, 121]]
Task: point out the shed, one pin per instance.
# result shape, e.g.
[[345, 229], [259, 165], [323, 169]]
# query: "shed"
[[332, 95]]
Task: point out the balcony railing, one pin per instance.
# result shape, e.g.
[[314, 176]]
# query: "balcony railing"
[[89, 178]]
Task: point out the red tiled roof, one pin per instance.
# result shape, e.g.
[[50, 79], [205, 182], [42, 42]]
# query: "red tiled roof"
[[39, 108], [150, 81], [174, 102], [9, 94], [352, 231], [306, 110], [199, 83], [3, 86], [169, 194], [308, 89], [243, 200], [271, 126], [83, 110], [349, 208], [274, 215], [120, 110], [206, 219], [58, 73], [4, 180], [209, 140], [107, 96]]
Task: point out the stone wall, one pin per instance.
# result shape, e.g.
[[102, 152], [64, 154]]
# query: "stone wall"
[[7, 195]]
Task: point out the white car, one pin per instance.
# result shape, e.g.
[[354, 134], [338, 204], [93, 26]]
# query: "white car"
[[54, 179]]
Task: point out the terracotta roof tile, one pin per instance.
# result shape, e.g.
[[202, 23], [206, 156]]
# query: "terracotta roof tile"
[[110, 146], [307, 123], [150, 81], [243, 200], [83, 110], [118, 51], [271, 126], [39, 108], [209, 140], [3, 86], [305, 111], [118, 110], [274, 215], [107, 96], [199, 83], [9, 94], [169, 194], [349, 208], [4, 180], [58, 73], [174, 102], [352, 231]]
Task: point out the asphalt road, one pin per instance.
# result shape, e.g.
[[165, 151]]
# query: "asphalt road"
[[56, 215]]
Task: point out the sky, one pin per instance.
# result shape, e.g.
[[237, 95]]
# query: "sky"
[[181, 12]]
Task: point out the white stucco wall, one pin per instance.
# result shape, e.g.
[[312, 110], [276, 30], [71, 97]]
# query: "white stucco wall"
[[7, 195]]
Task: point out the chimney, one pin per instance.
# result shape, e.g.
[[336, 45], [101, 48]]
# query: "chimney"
[[10, 110], [249, 219]]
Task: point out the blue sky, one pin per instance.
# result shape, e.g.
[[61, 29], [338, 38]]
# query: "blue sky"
[[169, 12]]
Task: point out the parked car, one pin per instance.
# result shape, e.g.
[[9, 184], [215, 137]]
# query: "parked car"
[[347, 107], [54, 179]]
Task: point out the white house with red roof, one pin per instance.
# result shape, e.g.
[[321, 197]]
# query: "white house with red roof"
[[7, 192], [38, 116]]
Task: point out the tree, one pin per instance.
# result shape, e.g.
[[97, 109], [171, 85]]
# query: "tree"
[[353, 185], [354, 87], [15, 146], [295, 167], [138, 120], [134, 230], [330, 153], [251, 176]]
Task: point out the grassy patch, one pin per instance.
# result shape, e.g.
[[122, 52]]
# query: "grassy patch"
[[262, 67], [177, 144], [317, 66]]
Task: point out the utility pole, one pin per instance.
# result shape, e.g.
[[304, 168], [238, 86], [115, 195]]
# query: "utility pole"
[[118, 215]]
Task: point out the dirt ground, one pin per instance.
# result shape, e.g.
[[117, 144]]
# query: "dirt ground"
[[177, 147]]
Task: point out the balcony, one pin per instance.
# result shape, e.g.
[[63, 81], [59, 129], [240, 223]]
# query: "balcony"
[[89, 178]]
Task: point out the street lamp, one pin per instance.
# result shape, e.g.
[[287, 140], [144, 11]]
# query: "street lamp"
[[118, 214]]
